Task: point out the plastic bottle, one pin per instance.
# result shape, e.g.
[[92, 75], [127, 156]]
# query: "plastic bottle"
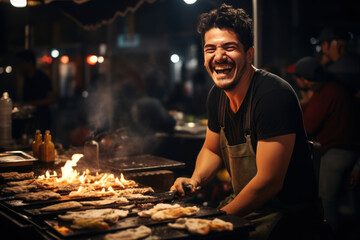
[[5, 120], [36, 144], [91, 154], [47, 149]]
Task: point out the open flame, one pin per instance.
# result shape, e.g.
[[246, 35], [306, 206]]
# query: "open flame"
[[71, 176]]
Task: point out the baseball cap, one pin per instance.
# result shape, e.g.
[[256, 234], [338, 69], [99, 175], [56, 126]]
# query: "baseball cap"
[[333, 33], [310, 69]]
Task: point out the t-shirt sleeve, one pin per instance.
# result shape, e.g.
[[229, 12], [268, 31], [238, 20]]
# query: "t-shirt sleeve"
[[212, 105], [277, 113]]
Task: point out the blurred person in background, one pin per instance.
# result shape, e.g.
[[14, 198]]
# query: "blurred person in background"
[[36, 89], [330, 120]]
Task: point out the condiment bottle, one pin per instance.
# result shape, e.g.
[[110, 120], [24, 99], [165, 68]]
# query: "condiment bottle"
[[47, 149], [91, 153], [36, 144], [5, 120]]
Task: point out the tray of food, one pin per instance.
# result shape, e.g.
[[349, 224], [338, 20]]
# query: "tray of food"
[[16, 158]]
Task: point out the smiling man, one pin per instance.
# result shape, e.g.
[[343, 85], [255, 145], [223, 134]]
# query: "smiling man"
[[255, 128]]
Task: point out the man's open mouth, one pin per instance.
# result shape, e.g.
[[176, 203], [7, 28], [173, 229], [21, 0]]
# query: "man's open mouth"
[[222, 69]]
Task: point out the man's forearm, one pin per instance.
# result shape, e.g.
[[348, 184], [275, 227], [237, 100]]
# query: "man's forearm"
[[207, 164], [253, 196]]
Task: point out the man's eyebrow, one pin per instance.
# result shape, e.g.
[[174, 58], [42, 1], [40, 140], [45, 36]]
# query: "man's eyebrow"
[[223, 45]]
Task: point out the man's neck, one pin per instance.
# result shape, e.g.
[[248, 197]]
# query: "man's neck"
[[237, 95]]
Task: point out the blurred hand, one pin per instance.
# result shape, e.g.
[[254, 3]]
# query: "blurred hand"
[[178, 185], [354, 178]]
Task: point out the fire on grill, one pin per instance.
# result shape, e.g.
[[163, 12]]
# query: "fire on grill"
[[72, 204], [77, 185]]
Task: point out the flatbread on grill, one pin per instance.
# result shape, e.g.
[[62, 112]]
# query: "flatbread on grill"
[[175, 213], [201, 226], [38, 196], [61, 206], [130, 234], [11, 176], [158, 207], [107, 214], [18, 189]]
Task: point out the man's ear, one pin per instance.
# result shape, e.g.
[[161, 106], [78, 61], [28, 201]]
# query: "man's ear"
[[250, 55]]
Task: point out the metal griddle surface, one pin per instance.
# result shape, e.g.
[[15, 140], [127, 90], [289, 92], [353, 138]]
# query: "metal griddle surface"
[[130, 221], [142, 163]]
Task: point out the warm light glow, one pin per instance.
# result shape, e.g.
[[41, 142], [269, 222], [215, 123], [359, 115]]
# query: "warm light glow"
[[55, 53], [100, 59], [8, 69], [175, 58], [19, 3], [92, 59], [64, 59], [190, 1], [46, 59]]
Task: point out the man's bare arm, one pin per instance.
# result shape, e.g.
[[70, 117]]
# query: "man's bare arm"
[[272, 160], [207, 163]]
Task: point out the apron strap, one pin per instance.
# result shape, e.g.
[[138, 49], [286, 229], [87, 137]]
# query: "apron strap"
[[222, 108]]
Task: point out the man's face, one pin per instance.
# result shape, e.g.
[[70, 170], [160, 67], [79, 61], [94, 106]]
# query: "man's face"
[[224, 57]]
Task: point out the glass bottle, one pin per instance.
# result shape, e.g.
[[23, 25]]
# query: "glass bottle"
[[47, 149], [91, 154], [5, 120], [36, 144]]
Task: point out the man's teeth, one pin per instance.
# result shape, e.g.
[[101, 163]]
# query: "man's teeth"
[[222, 68]]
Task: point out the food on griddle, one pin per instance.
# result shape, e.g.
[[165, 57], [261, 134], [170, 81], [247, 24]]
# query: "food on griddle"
[[130, 234], [90, 223], [175, 213], [19, 183], [201, 226], [138, 196], [158, 207], [18, 189], [90, 192], [105, 201], [108, 214], [11, 176], [38, 196], [61, 206]]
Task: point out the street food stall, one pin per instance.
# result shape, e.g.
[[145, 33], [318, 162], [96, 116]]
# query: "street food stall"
[[58, 201]]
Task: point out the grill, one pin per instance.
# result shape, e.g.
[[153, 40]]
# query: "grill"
[[20, 218]]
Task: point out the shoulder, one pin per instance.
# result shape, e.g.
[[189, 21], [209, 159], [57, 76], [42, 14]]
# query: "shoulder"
[[268, 84]]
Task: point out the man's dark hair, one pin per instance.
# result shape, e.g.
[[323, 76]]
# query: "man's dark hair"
[[229, 18], [27, 56]]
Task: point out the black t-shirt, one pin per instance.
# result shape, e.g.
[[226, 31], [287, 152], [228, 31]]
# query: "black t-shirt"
[[275, 111]]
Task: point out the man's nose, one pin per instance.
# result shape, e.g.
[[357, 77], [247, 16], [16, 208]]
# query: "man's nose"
[[220, 55]]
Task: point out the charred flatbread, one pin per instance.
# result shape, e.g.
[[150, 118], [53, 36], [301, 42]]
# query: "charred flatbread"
[[11, 176], [107, 214], [61, 206], [38, 196], [18, 189]]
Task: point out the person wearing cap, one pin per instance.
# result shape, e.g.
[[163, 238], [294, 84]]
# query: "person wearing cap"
[[329, 120], [342, 65]]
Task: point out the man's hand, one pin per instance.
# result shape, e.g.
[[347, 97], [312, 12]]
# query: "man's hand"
[[179, 182]]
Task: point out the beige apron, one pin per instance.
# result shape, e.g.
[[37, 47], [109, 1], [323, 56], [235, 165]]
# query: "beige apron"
[[240, 161]]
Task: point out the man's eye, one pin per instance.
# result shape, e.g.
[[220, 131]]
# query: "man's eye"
[[230, 48], [209, 50]]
